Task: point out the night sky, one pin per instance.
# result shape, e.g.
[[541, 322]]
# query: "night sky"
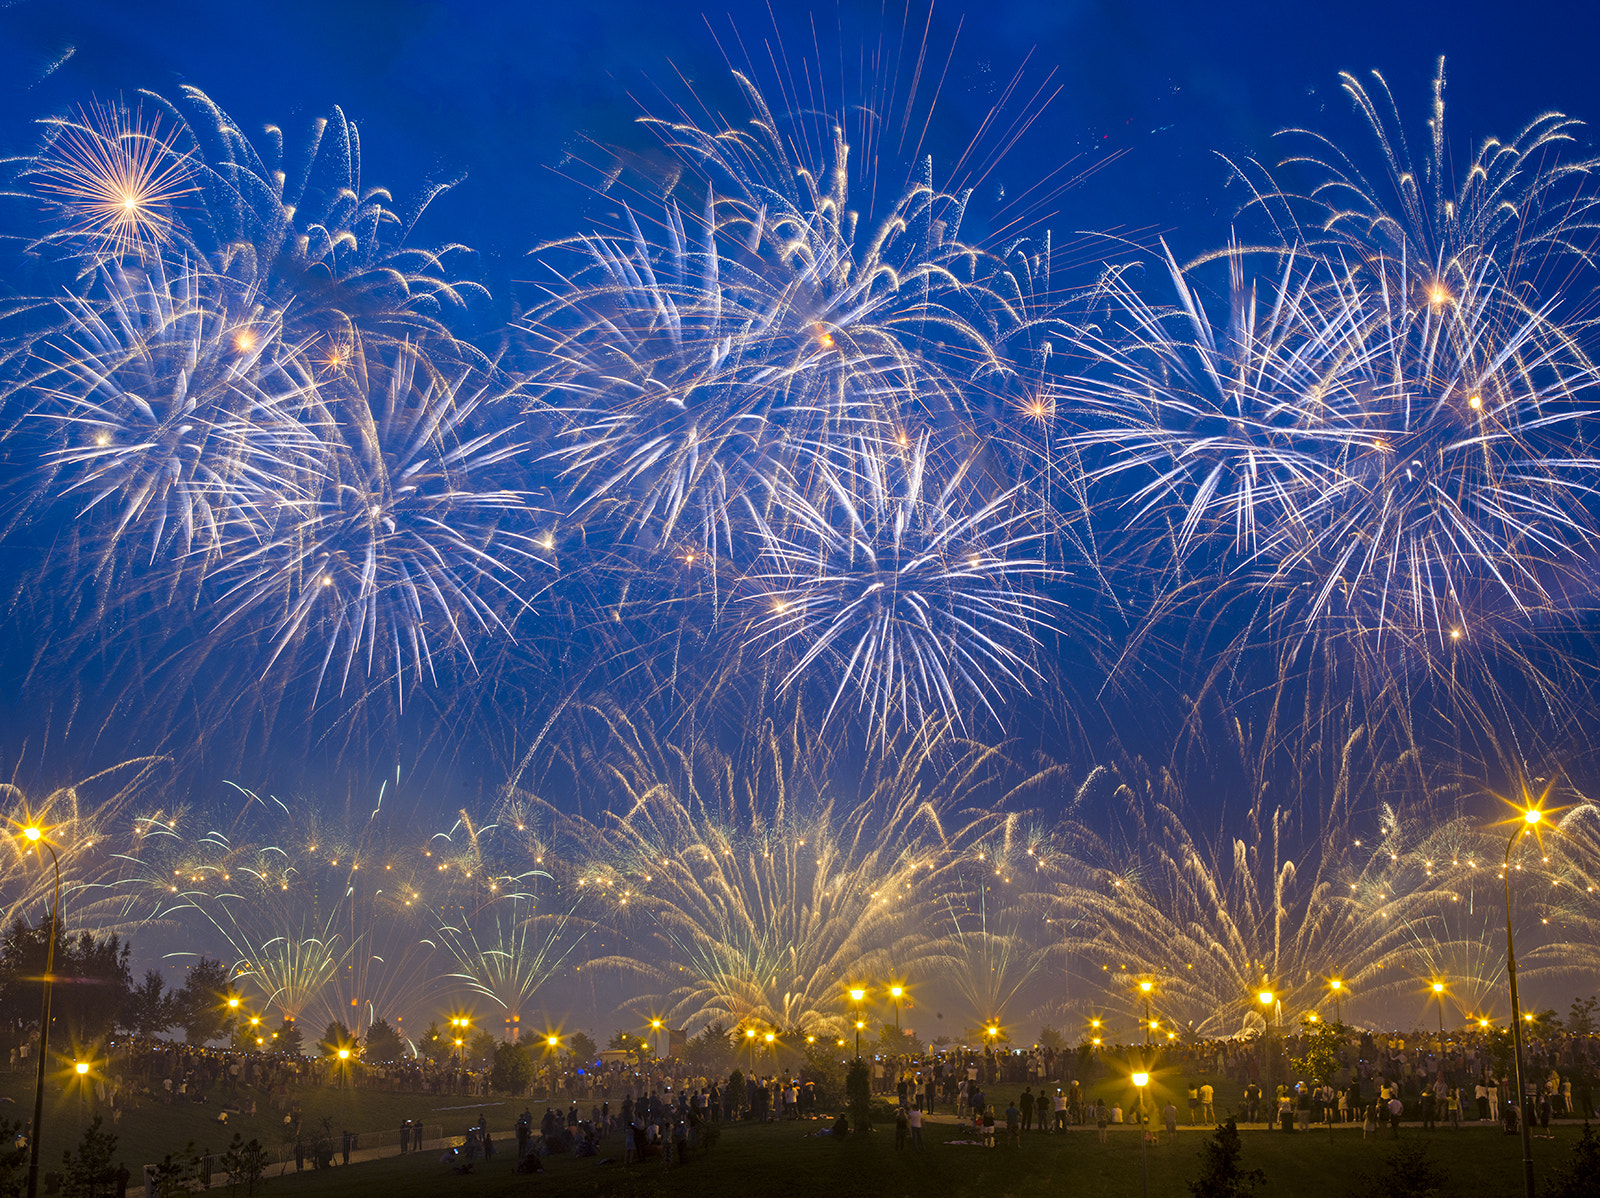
[[1148, 100]]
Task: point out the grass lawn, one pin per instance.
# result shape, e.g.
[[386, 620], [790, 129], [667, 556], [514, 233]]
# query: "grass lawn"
[[776, 1160]]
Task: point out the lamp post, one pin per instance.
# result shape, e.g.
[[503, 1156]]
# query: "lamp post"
[[857, 993], [1530, 819], [1266, 997], [750, 1043], [1140, 1081], [655, 1026], [1438, 993], [1147, 986], [1336, 986], [37, 837], [81, 1068], [897, 993]]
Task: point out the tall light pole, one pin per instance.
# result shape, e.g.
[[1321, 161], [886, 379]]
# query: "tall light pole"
[[81, 1068], [1140, 1081], [857, 993], [655, 1025], [1530, 819], [1266, 997], [1147, 986], [1438, 993], [33, 834], [897, 993], [1336, 986]]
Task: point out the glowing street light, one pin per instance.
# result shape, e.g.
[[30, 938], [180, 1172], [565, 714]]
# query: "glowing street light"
[[1336, 986], [1531, 816], [1438, 993], [1266, 997], [857, 993], [897, 993], [1147, 986]]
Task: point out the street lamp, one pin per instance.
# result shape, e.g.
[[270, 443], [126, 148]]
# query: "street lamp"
[[896, 993], [81, 1068], [1266, 997], [655, 1024], [1140, 1081], [1438, 992], [1147, 986], [1336, 986], [32, 833], [857, 993], [1530, 820]]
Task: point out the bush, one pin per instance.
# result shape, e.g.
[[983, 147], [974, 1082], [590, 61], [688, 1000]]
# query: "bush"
[[1407, 1172], [1220, 1175], [858, 1091], [89, 1169], [1581, 1177]]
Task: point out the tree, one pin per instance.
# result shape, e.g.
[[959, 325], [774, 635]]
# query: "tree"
[[1580, 1020], [480, 1048], [858, 1089], [177, 1173], [513, 1069], [85, 1012], [1220, 1175], [148, 1011], [200, 1007], [1322, 1042], [245, 1164], [896, 1041], [383, 1042], [88, 1169], [335, 1037], [435, 1046], [288, 1037], [712, 1052], [1050, 1038], [639, 1047], [583, 1049]]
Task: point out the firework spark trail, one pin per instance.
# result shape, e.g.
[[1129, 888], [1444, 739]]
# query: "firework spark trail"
[[912, 588], [1280, 906], [402, 532], [755, 895], [79, 821], [172, 401], [114, 179], [321, 916], [508, 909]]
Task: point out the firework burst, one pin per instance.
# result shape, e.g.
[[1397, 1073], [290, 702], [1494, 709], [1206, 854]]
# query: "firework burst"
[[113, 180]]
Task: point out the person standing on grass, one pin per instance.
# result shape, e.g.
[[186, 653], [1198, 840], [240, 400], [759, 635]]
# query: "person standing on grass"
[[1102, 1118], [1208, 1113], [902, 1127], [914, 1118], [1060, 1111], [1194, 1101], [1396, 1109], [1014, 1125], [1026, 1103], [1169, 1116]]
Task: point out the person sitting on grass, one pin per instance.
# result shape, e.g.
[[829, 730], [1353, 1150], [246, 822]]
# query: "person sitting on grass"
[[841, 1127]]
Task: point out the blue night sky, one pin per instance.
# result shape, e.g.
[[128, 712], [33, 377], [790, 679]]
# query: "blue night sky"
[[1146, 103]]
